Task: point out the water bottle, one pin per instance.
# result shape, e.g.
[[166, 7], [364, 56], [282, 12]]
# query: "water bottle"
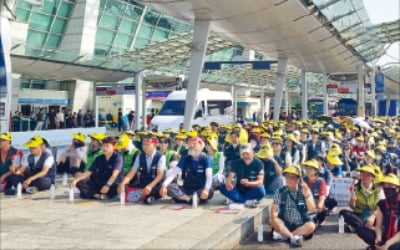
[[19, 190], [194, 200], [341, 224], [71, 194], [52, 192], [65, 179], [260, 233], [122, 197]]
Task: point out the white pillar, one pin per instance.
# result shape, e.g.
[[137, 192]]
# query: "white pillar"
[[280, 84], [6, 79], [234, 97], [361, 93], [304, 95], [373, 93], [198, 51], [287, 100], [325, 92], [95, 106], [138, 99], [267, 106], [144, 89], [262, 102]]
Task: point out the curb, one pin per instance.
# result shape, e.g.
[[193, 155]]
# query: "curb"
[[233, 233]]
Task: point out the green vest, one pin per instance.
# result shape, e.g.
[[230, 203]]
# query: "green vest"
[[168, 157], [215, 162], [128, 159], [366, 203], [91, 156]]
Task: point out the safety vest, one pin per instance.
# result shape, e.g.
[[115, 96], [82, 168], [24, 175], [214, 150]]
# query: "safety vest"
[[215, 161], [36, 168], [168, 157], [91, 156], [147, 176], [315, 188], [194, 178], [5, 166], [129, 158], [300, 201], [312, 152], [365, 205]]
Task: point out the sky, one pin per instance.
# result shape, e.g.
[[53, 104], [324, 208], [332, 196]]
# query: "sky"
[[380, 11]]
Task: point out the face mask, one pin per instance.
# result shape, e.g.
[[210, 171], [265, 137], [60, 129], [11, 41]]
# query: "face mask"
[[391, 195], [253, 143], [378, 157]]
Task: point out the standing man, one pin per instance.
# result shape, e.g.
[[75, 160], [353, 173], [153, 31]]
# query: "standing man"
[[39, 119], [10, 157], [149, 170], [120, 121], [79, 118], [197, 173], [249, 172], [52, 119]]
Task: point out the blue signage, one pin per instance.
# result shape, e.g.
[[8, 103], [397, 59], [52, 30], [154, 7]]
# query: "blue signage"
[[157, 94], [256, 65], [3, 72], [43, 101], [379, 82]]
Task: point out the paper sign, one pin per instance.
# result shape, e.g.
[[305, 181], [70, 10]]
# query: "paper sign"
[[340, 190]]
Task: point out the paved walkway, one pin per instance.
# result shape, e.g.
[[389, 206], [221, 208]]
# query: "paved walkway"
[[35, 222]]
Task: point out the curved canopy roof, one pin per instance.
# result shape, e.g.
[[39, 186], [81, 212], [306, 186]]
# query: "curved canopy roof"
[[388, 32]]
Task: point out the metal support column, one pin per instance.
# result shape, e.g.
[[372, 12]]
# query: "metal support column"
[[287, 101], [361, 92], [325, 93], [95, 106], [280, 84], [198, 51], [234, 95], [304, 95], [262, 101], [144, 118], [138, 100], [373, 91]]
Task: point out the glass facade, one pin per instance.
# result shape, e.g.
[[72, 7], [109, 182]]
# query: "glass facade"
[[46, 23]]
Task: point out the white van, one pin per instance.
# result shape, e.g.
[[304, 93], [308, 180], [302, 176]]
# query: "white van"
[[210, 106]]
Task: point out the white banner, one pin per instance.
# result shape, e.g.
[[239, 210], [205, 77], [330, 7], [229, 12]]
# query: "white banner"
[[340, 190]]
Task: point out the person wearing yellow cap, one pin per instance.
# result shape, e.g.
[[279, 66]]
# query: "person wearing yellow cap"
[[179, 144], [171, 156], [277, 148], [273, 178], [147, 172], [104, 176], [10, 162], [217, 161], [289, 213], [232, 150], [318, 188], [359, 149], [38, 170], [363, 199], [386, 233], [249, 173], [291, 149], [94, 149], [314, 146], [128, 152], [74, 159], [382, 157]]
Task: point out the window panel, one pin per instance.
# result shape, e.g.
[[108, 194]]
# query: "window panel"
[[140, 43], [123, 40], [159, 35], [104, 36], [24, 5], [53, 41], [133, 12], [127, 26], [40, 21], [65, 9], [101, 49], [145, 31], [22, 15], [115, 7], [108, 22], [151, 17], [36, 38], [58, 25], [164, 22], [49, 7]]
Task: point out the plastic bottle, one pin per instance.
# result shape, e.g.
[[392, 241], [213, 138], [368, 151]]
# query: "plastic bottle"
[[19, 190], [260, 233], [71, 194], [52, 192], [65, 179], [194, 200], [122, 197], [341, 224]]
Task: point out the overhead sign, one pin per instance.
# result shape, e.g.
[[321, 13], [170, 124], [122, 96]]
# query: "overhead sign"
[[347, 87], [3, 74], [379, 82], [157, 95], [117, 90], [332, 88], [255, 64]]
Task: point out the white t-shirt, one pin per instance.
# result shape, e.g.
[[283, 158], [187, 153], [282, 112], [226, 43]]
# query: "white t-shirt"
[[47, 164]]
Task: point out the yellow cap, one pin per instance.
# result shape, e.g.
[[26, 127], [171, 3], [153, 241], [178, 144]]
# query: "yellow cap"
[[265, 135], [6, 136], [265, 151], [129, 132], [158, 134], [180, 136], [79, 136], [334, 159], [142, 132], [122, 142], [182, 131], [367, 169], [292, 138], [212, 142], [311, 163], [98, 136], [34, 142], [293, 169], [276, 138], [371, 154], [335, 149], [304, 130], [192, 133], [391, 179], [169, 130], [381, 148], [256, 130], [360, 138]]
